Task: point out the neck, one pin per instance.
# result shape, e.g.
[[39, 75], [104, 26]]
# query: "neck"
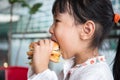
[[85, 55]]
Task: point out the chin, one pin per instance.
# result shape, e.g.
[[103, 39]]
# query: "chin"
[[65, 57], [68, 57]]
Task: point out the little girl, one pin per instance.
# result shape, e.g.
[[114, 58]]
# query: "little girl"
[[79, 28]]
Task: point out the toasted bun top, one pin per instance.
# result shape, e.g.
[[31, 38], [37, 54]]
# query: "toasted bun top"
[[31, 46]]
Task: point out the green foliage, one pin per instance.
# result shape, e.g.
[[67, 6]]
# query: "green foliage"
[[24, 4], [32, 9], [14, 1], [35, 8]]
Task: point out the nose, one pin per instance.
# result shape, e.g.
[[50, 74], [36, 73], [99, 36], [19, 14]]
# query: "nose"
[[51, 29]]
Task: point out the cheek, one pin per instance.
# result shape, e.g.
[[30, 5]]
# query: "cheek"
[[66, 38], [65, 45]]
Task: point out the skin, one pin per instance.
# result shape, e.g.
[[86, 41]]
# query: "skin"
[[74, 41]]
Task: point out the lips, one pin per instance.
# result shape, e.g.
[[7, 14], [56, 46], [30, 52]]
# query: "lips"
[[53, 37]]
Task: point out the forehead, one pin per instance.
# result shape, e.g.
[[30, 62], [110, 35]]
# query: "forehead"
[[63, 15]]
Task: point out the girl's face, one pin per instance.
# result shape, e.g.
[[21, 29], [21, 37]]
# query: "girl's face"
[[66, 34]]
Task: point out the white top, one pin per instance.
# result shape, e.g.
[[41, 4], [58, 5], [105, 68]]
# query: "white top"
[[93, 69]]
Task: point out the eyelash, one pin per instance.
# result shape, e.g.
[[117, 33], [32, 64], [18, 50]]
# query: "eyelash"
[[56, 20]]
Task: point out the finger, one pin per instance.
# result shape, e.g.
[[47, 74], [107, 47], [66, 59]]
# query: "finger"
[[36, 48], [41, 42], [47, 42], [51, 45]]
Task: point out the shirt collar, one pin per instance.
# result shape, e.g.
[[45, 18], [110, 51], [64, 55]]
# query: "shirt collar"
[[70, 62]]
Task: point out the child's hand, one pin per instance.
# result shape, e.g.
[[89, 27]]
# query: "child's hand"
[[41, 55]]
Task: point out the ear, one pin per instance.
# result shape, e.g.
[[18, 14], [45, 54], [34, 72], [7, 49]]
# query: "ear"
[[88, 30]]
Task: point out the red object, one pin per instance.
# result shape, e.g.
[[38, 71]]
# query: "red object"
[[92, 61], [116, 18], [16, 73]]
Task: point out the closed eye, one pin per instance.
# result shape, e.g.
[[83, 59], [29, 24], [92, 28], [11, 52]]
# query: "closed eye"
[[57, 20]]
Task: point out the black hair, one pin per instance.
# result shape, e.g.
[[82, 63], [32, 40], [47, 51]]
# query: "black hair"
[[116, 65], [99, 11]]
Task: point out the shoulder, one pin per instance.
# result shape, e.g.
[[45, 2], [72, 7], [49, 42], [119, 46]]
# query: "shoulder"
[[99, 71], [98, 67]]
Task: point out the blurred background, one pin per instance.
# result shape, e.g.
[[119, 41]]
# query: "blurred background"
[[25, 21]]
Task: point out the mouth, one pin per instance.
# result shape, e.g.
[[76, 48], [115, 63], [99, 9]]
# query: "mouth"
[[53, 39]]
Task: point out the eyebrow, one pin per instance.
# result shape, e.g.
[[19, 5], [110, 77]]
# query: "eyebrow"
[[58, 16]]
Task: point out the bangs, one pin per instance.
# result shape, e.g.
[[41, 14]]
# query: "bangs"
[[61, 6]]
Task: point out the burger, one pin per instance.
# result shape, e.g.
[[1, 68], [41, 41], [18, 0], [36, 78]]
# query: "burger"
[[54, 57]]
